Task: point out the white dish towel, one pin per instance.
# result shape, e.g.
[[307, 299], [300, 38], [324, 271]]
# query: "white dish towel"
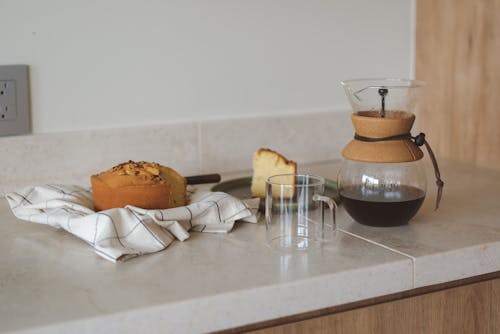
[[122, 233]]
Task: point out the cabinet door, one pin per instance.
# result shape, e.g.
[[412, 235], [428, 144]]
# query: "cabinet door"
[[458, 55], [473, 308]]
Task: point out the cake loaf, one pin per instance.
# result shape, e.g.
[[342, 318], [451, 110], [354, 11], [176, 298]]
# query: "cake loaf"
[[143, 184]]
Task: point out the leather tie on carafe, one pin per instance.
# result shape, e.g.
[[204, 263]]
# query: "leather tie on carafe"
[[419, 141]]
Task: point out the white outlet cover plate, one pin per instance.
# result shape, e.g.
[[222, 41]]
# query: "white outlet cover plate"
[[14, 100]]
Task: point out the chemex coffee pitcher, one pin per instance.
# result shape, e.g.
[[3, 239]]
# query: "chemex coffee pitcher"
[[381, 181]]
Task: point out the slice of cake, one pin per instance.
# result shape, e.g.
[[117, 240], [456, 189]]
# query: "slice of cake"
[[266, 163]]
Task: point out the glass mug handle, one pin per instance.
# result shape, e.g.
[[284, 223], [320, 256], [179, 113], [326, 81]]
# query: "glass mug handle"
[[331, 204]]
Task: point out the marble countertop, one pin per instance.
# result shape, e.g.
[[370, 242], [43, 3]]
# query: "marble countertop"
[[53, 282]]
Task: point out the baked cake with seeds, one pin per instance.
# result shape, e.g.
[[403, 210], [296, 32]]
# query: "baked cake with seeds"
[[147, 185]]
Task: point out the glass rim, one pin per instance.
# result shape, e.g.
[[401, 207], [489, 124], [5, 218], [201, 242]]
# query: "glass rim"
[[410, 82], [318, 180]]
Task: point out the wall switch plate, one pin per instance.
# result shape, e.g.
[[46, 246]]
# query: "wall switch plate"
[[14, 100]]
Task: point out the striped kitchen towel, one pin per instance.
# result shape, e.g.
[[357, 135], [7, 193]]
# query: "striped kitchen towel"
[[122, 233]]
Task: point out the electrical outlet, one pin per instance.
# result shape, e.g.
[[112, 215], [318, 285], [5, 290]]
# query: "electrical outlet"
[[8, 108], [14, 100]]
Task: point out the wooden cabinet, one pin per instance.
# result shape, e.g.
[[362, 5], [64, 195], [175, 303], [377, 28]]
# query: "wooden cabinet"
[[467, 306], [458, 55], [473, 308]]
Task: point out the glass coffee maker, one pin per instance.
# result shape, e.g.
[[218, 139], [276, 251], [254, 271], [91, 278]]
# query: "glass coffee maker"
[[381, 181]]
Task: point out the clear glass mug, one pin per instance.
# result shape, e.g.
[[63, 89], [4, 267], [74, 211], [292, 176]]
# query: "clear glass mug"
[[295, 212]]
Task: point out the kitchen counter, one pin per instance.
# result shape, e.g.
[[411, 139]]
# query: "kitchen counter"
[[53, 282]]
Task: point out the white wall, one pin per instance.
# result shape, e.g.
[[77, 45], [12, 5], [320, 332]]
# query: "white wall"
[[106, 64]]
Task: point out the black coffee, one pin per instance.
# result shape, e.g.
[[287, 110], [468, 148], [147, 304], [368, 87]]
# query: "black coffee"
[[382, 208]]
